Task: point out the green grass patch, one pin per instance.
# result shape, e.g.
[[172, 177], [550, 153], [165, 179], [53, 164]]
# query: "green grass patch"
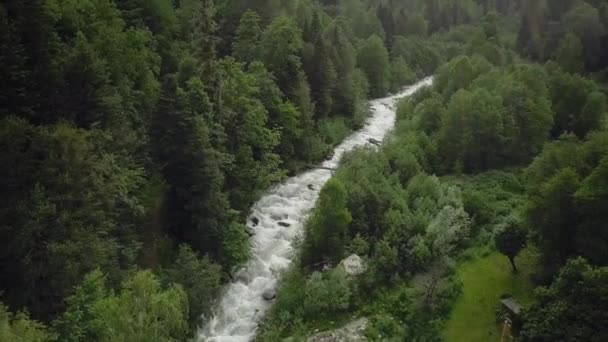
[[485, 280]]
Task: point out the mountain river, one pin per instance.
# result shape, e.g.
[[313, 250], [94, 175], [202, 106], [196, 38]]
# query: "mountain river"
[[276, 222]]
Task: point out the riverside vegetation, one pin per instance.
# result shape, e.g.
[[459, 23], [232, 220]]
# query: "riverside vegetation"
[[136, 134], [504, 150]]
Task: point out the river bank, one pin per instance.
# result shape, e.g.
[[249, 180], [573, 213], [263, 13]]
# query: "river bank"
[[276, 224]]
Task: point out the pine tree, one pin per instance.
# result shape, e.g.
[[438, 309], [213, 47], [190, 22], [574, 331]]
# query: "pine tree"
[[192, 169], [343, 57], [322, 78], [13, 69], [205, 39], [373, 59], [248, 37]]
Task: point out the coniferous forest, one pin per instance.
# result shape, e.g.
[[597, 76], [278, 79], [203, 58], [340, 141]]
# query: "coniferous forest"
[[135, 135]]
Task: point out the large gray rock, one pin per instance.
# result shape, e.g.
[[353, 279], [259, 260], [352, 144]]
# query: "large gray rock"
[[352, 332], [353, 265], [374, 141], [242, 276], [269, 294]]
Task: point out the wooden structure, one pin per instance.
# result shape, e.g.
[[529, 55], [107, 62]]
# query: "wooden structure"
[[506, 331], [510, 318], [512, 306]]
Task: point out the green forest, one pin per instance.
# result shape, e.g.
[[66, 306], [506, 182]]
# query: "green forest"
[[135, 135]]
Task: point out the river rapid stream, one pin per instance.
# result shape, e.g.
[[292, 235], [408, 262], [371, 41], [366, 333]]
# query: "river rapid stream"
[[277, 222]]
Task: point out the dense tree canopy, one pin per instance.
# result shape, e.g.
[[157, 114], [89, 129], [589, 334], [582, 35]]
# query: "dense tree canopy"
[[373, 59], [142, 310], [489, 109], [329, 225], [133, 127], [572, 308], [135, 135], [561, 199]]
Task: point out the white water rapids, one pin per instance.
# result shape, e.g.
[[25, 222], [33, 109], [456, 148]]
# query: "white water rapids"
[[280, 217]]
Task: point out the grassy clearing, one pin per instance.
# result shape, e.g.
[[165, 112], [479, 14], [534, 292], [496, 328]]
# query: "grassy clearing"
[[484, 280]]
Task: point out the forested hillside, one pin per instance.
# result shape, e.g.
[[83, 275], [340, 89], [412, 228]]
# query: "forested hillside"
[[505, 152], [136, 134]]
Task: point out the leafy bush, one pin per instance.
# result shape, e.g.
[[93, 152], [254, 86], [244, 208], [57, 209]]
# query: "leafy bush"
[[200, 278], [383, 327], [21, 328], [326, 295], [333, 130]]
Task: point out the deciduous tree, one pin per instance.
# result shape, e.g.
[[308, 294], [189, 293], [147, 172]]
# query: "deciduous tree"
[[509, 241], [373, 59], [572, 308]]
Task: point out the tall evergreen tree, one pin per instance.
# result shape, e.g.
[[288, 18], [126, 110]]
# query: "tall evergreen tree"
[[373, 59], [322, 77], [192, 169], [248, 36], [13, 69], [343, 57], [205, 39]]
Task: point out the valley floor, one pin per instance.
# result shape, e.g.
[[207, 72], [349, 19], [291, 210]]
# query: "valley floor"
[[485, 279]]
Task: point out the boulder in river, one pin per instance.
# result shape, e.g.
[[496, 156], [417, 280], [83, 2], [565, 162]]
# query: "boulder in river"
[[241, 275], [255, 221], [284, 224], [277, 217], [269, 294], [311, 187], [374, 141], [353, 265]]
